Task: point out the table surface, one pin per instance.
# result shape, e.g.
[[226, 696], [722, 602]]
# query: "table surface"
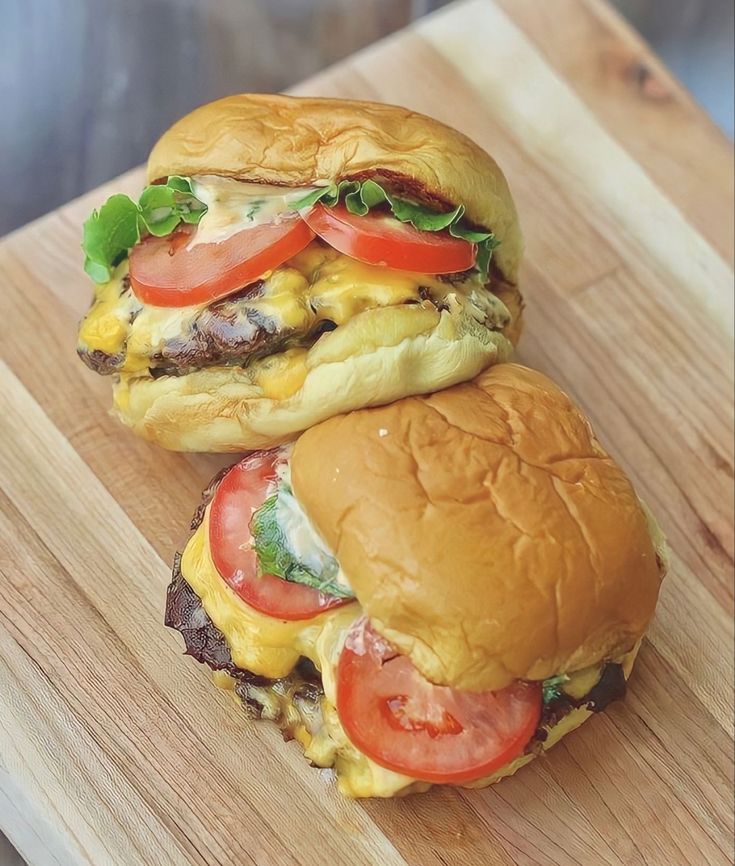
[[114, 749]]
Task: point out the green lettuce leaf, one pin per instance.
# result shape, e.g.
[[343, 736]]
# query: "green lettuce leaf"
[[274, 557], [111, 232], [164, 206], [360, 197], [108, 234], [551, 687]]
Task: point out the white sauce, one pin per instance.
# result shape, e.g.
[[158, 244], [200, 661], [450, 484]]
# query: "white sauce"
[[302, 537], [233, 206]]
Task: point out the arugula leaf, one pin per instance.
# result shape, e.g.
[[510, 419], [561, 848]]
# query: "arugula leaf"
[[108, 234], [182, 184], [328, 195], [551, 687], [360, 197], [164, 206], [274, 557], [119, 224], [111, 232], [484, 252]]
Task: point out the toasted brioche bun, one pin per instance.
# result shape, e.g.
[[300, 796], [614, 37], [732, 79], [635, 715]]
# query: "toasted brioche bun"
[[378, 356], [297, 141], [484, 529]]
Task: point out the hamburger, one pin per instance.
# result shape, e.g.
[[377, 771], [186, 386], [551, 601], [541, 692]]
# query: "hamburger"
[[431, 592], [295, 258]]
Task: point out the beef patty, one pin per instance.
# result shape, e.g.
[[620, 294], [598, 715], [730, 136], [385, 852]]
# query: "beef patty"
[[241, 327], [229, 330]]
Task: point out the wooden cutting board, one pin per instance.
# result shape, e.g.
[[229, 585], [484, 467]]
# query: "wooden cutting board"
[[114, 749]]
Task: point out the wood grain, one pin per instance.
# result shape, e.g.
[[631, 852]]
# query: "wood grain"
[[638, 102], [116, 750]]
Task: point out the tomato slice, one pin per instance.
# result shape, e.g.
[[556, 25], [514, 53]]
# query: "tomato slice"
[[238, 495], [433, 733], [164, 272], [380, 239]]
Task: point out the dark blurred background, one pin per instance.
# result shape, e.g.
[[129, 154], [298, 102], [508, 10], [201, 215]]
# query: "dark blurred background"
[[87, 85]]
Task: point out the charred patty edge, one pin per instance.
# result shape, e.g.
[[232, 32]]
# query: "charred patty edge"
[[229, 333]]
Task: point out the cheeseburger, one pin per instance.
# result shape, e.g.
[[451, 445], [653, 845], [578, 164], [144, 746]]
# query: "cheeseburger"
[[430, 592], [292, 259]]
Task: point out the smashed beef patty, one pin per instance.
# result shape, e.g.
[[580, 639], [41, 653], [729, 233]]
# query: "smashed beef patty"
[[292, 307], [261, 697], [227, 331]]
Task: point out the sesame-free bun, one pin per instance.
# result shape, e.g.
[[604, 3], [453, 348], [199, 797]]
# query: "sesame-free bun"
[[484, 529], [378, 356], [300, 141]]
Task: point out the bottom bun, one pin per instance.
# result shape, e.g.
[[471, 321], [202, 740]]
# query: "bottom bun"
[[379, 356]]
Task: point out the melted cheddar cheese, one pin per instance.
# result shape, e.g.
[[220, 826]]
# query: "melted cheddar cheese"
[[105, 327], [259, 643], [280, 376], [271, 648], [316, 285]]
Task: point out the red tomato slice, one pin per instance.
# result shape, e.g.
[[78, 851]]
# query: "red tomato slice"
[[238, 495], [164, 273], [433, 733], [380, 239]]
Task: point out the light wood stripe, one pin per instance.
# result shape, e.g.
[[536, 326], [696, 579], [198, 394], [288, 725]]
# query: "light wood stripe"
[[640, 104], [561, 133], [97, 603]]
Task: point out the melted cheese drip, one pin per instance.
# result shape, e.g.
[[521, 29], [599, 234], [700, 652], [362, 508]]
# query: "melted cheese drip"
[[316, 285], [582, 682], [106, 325], [271, 648], [280, 376], [258, 643]]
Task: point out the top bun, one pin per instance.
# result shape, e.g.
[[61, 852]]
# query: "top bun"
[[298, 141], [484, 529]]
